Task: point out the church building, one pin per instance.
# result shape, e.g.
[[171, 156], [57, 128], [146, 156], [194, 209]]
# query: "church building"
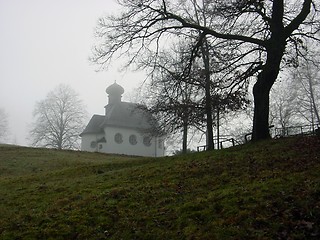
[[126, 128]]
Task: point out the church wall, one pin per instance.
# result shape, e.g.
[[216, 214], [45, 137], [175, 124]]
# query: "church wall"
[[89, 142], [127, 145]]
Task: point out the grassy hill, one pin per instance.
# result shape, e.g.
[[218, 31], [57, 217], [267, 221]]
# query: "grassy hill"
[[267, 190]]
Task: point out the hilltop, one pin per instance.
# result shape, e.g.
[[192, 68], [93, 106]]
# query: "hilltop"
[[266, 190]]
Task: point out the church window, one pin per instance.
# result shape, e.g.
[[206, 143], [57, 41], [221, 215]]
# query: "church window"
[[118, 138], [147, 141], [133, 139], [93, 144]]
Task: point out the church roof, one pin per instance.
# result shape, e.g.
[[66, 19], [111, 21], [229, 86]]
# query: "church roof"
[[94, 125], [125, 114], [122, 114]]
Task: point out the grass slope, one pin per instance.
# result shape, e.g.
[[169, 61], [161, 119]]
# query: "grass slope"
[[267, 190]]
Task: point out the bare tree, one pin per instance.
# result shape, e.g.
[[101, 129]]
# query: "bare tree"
[[284, 105], [190, 95], [295, 100], [3, 124], [307, 84], [59, 119], [258, 36], [172, 94]]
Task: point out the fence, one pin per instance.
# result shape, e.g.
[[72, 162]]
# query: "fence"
[[222, 144], [303, 130]]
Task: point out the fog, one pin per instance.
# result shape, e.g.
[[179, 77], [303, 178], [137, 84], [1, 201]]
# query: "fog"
[[44, 43]]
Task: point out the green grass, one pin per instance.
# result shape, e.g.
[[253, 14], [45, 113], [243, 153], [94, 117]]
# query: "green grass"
[[267, 190]]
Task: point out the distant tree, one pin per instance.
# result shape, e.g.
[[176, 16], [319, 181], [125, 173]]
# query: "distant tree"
[[307, 84], [59, 119], [259, 36], [284, 105], [296, 99], [3, 124]]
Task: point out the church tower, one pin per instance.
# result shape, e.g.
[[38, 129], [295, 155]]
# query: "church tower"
[[114, 92]]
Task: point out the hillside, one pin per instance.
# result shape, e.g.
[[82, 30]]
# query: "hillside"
[[267, 190]]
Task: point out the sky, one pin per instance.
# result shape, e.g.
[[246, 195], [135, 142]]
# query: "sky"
[[47, 42]]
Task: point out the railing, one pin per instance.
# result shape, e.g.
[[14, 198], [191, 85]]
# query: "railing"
[[312, 129], [202, 148], [221, 144], [233, 141], [246, 137], [305, 130]]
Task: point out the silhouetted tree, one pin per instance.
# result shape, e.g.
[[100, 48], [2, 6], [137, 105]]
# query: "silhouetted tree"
[[259, 37], [172, 97], [59, 119], [183, 95]]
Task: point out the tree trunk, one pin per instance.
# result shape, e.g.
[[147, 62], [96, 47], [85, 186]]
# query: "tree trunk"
[[313, 102], [208, 104], [210, 144], [218, 127], [185, 136], [262, 87], [261, 112]]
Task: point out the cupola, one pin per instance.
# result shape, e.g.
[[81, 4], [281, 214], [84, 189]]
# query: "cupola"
[[114, 92]]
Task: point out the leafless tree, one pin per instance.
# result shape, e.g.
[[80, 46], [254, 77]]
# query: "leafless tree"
[[307, 84], [284, 105], [4, 128], [296, 99], [177, 104], [59, 119], [258, 36], [186, 95]]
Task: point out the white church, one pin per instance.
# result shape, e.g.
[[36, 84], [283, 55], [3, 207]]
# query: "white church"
[[124, 129]]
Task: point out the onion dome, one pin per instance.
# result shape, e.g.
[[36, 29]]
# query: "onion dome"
[[114, 91]]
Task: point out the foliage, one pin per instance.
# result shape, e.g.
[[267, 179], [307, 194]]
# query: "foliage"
[[266, 190], [59, 119]]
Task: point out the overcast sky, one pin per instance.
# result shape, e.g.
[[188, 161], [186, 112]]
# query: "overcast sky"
[[47, 42]]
